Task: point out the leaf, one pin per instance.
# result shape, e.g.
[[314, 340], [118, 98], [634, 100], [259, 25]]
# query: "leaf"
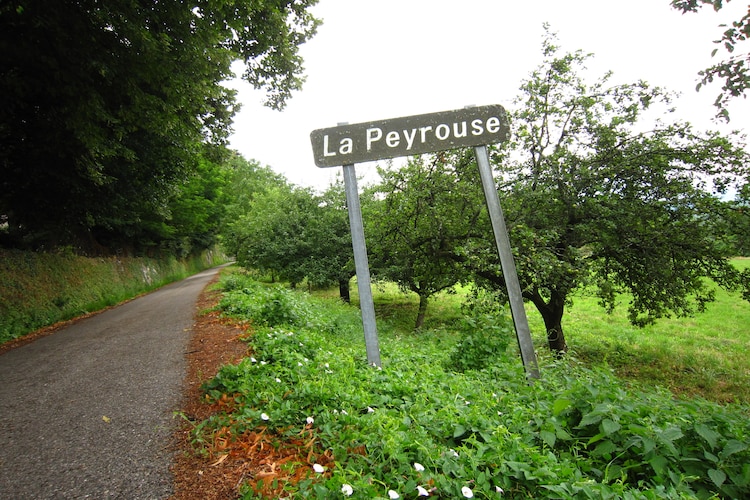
[[549, 438], [604, 448], [560, 405], [671, 433], [717, 476], [459, 431], [590, 418], [106, 418], [659, 464], [220, 460], [708, 434], [733, 446], [609, 426]]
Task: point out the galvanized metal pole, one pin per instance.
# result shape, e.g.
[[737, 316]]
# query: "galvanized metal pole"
[[523, 334], [366, 304]]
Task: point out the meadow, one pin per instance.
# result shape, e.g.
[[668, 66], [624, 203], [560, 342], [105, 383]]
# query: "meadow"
[[451, 415]]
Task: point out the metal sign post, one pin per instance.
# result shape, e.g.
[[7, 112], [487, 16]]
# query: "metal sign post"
[[515, 297], [366, 304], [468, 127]]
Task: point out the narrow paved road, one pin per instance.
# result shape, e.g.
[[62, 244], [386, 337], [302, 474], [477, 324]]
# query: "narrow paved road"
[[88, 411]]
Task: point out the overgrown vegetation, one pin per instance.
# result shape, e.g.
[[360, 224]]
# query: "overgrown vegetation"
[[39, 289], [419, 427]]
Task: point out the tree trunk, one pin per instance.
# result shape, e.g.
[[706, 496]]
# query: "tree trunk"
[[344, 291], [552, 314], [422, 310], [555, 337]]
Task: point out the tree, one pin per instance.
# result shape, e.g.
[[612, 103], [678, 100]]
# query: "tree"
[[425, 213], [332, 259], [105, 107], [296, 235], [592, 197], [735, 69], [246, 180]]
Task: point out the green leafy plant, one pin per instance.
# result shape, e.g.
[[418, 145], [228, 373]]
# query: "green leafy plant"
[[414, 428], [484, 334]]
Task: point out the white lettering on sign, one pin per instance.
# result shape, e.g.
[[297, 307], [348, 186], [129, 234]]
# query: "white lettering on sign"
[[345, 146], [441, 132], [410, 135]]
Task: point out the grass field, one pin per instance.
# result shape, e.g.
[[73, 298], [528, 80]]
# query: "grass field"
[[706, 355]]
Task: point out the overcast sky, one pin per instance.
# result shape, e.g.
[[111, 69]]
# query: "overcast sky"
[[381, 59]]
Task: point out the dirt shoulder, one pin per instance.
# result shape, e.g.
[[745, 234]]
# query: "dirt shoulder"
[[215, 342]]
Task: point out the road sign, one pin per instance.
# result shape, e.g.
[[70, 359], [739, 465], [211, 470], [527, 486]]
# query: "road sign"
[[411, 135], [347, 144]]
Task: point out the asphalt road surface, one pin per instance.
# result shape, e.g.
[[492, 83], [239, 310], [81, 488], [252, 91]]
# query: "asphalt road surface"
[[88, 411]]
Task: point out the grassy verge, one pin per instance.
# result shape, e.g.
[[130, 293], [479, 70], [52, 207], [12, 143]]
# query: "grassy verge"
[[40, 289], [450, 417]]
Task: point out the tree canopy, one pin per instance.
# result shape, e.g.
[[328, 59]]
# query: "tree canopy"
[[595, 196], [106, 108], [424, 210]]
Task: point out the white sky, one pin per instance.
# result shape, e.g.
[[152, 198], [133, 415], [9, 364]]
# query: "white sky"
[[382, 59]]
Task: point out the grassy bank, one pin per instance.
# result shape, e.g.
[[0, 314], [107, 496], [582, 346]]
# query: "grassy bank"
[[40, 289], [450, 414]]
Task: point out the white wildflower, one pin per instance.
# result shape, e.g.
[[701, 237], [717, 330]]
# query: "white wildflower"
[[370, 410], [421, 492], [418, 467], [310, 420], [393, 495], [319, 468], [498, 489], [264, 416], [466, 492], [347, 489]]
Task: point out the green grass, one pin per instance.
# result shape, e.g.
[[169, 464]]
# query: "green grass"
[[579, 432], [707, 355]]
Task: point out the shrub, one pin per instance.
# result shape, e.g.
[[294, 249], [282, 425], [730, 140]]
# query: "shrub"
[[484, 335]]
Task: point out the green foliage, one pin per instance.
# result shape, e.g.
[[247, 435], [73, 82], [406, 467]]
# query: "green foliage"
[[733, 70], [427, 207], [484, 335], [39, 289], [295, 234], [108, 107], [265, 305], [576, 433], [592, 196]]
